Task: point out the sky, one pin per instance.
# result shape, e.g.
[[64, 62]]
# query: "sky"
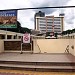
[[26, 17]]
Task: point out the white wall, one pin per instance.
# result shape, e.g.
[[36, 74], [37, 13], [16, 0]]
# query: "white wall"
[[1, 46]]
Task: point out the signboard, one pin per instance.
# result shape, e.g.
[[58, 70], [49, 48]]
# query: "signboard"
[[8, 19], [26, 38]]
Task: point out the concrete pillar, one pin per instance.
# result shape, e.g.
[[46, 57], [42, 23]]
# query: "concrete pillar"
[[6, 36], [12, 36], [17, 37], [0, 37]]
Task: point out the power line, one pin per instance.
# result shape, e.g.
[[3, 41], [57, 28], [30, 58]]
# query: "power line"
[[41, 8]]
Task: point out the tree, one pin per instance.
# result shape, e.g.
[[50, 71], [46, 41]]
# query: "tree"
[[19, 29], [73, 30], [13, 29], [55, 34], [47, 34], [24, 30], [69, 31], [64, 32]]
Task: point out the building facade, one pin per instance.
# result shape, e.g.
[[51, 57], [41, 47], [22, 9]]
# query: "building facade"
[[49, 24], [38, 14]]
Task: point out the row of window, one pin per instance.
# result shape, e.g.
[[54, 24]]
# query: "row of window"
[[50, 22], [49, 27], [56, 31], [57, 22], [49, 30], [56, 26], [41, 23], [9, 37], [55, 19], [42, 27], [42, 19]]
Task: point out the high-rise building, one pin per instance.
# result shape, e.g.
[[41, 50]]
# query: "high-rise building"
[[38, 14], [49, 24]]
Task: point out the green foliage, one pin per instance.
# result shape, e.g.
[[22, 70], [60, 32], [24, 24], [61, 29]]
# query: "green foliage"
[[68, 32], [55, 34], [47, 34], [73, 30], [24, 30], [19, 29]]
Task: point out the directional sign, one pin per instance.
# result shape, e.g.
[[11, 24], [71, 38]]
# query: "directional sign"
[[26, 38]]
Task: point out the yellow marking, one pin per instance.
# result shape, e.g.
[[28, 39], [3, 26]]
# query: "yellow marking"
[[37, 73]]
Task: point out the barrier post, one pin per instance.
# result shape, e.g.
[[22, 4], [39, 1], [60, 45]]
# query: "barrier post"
[[21, 48]]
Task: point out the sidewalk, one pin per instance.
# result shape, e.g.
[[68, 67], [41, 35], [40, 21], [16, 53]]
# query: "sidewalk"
[[37, 57]]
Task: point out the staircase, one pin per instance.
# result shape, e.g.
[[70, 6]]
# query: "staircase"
[[39, 66], [56, 62]]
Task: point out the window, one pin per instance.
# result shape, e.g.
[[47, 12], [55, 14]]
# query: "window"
[[2, 36], [8, 36], [57, 19]]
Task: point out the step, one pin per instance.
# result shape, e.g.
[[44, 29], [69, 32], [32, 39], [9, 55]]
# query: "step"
[[39, 63], [36, 66]]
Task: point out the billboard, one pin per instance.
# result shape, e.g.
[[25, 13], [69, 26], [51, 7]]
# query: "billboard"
[[8, 19]]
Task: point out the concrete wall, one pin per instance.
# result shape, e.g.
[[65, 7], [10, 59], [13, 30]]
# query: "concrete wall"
[[54, 45], [71, 44], [51, 45], [1, 46], [36, 48], [74, 47]]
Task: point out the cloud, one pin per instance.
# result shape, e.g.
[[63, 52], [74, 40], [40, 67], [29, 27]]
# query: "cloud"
[[48, 3], [12, 4], [69, 16], [26, 17]]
